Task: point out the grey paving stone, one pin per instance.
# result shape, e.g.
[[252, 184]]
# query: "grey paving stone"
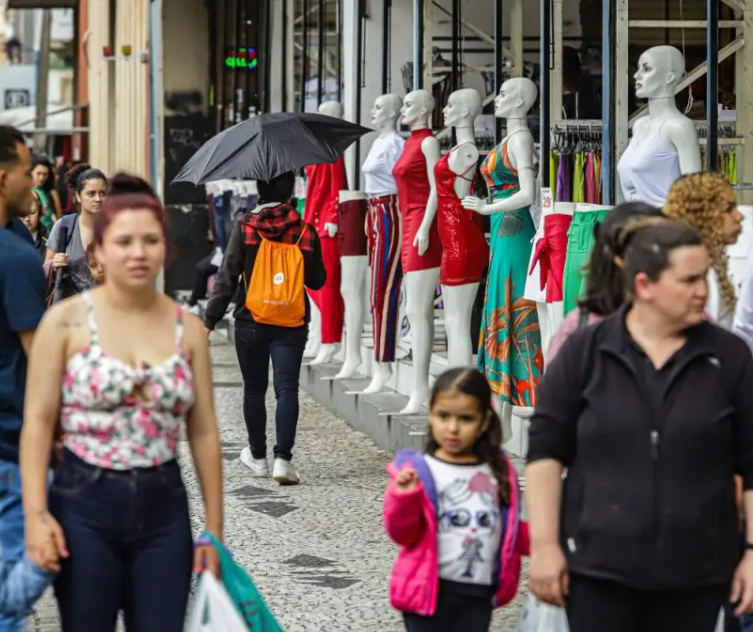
[[318, 551]]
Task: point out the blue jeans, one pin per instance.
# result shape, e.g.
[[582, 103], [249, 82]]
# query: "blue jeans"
[[746, 623], [129, 538], [255, 345], [11, 532]]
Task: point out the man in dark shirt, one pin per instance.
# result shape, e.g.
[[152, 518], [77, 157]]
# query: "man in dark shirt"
[[22, 304]]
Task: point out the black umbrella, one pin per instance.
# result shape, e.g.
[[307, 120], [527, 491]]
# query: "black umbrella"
[[268, 145]]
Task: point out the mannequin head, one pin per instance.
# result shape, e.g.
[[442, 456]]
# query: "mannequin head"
[[331, 108], [659, 71], [515, 99], [385, 111], [417, 108], [462, 108]]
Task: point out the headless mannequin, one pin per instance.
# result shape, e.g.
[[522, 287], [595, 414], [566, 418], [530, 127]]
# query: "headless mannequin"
[[421, 284], [353, 289], [514, 101], [659, 71], [324, 353], [461, 111], [384, 117]]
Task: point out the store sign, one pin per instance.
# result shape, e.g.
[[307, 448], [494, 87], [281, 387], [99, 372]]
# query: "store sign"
[[17, 99], [243, 58]]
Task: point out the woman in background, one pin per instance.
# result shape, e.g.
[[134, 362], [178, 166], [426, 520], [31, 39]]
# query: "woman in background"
[[706, 202], [38, 230], [44, 185]]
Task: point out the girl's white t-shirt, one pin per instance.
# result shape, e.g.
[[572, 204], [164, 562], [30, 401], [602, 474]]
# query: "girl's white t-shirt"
[[470, 522]]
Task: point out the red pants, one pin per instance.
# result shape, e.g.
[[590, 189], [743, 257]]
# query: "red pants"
[[328, 299]]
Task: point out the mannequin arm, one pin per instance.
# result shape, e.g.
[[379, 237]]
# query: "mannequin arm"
[[430, 149], [520, 152], [681, 133]]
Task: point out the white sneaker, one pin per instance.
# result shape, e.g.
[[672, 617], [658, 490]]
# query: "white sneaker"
[[259, 467], [195, 310], [284, 473]]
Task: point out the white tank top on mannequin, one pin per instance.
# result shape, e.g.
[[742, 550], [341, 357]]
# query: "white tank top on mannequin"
[[377, 168], [647, 169]]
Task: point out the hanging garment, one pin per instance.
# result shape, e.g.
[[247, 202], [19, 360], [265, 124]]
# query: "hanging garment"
[[351, 228], [564, 179], [647, 169], [550, 254], [325, 182], [580, 243], [465, 253], [535, 288], [579, 181], [554, 163], [597, 176], [378, 166], [386, 273], [413, 191], [328, 299], [510, 353], [591, 196]]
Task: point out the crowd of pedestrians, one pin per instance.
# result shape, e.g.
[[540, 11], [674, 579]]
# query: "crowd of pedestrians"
[[640, 464]]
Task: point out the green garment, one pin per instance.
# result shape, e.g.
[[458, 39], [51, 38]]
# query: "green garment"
[[579, 179], [47, 218], [580, 243], [554, 165]]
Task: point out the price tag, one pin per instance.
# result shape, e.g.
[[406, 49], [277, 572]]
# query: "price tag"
[[547, 201]]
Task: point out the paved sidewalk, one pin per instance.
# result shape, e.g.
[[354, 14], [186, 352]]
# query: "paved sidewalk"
[[318, 551]]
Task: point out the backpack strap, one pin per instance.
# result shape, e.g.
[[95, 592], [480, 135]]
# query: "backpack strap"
[[417, 460], [303, 231]]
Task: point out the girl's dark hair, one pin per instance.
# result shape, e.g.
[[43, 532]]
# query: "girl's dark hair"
[[127, 192], [647, 248], [79, 175], [488, 447], [605, 285], [37, 160], [279, 189]]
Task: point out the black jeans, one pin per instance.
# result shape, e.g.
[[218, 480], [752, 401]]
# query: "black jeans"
[[129, 538], [595, 605], [456, 612], [255, 345], [204, 270]]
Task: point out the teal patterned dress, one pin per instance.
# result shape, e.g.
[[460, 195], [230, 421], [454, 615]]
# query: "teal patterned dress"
[[510, 347]]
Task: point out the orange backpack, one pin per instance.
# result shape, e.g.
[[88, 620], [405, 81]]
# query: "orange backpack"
[[275, 295]]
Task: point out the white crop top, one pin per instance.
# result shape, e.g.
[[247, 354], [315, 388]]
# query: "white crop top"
[[647, 169], [377, 169]]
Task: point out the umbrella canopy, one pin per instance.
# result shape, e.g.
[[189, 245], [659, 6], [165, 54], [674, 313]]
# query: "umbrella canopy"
[[268, 145]]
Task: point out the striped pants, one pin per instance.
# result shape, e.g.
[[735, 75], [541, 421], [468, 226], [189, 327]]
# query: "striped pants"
[[385, 237]]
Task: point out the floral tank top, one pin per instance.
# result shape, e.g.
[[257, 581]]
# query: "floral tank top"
[[104, 420]]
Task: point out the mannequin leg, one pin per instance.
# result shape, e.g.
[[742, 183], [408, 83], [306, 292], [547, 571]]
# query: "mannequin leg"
[[420, 289], [458, 307], [352, 290], [330, 303], [314, 343], [387, 276]]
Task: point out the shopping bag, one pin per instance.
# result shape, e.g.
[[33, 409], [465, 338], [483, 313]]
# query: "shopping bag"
[[541, 617], [213, 610], [243, 592]]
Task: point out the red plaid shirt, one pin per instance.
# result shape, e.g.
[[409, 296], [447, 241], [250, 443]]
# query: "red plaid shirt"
[[279, 223]]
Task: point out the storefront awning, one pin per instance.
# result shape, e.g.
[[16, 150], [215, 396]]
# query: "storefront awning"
[[42, 4]]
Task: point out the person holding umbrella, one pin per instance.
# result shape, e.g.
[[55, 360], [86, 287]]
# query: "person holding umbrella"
[[271, 252]]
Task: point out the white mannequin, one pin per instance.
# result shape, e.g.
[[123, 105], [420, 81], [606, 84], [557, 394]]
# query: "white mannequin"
[[324, 353], [384, 117], [659, 71], [460, 112], [353, 289], [515, 99], [421, 284]]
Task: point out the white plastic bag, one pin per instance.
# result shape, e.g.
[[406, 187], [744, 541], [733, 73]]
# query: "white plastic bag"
[[213, 611], [541, 617]]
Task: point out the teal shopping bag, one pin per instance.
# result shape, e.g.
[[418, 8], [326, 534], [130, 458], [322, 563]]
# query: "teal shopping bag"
[[243, 592]]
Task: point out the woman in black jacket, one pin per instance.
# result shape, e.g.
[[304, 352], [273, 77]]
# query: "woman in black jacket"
[[273, 220], [650, 412]]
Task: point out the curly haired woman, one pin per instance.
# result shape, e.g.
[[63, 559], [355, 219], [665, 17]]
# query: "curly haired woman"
[[706, 202]]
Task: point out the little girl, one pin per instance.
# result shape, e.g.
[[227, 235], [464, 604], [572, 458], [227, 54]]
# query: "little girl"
[[455, 512]]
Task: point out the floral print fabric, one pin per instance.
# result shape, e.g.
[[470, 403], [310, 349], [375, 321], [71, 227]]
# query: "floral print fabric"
[[121, 417]]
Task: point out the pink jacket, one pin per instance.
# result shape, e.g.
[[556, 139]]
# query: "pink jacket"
[[411, 521]]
